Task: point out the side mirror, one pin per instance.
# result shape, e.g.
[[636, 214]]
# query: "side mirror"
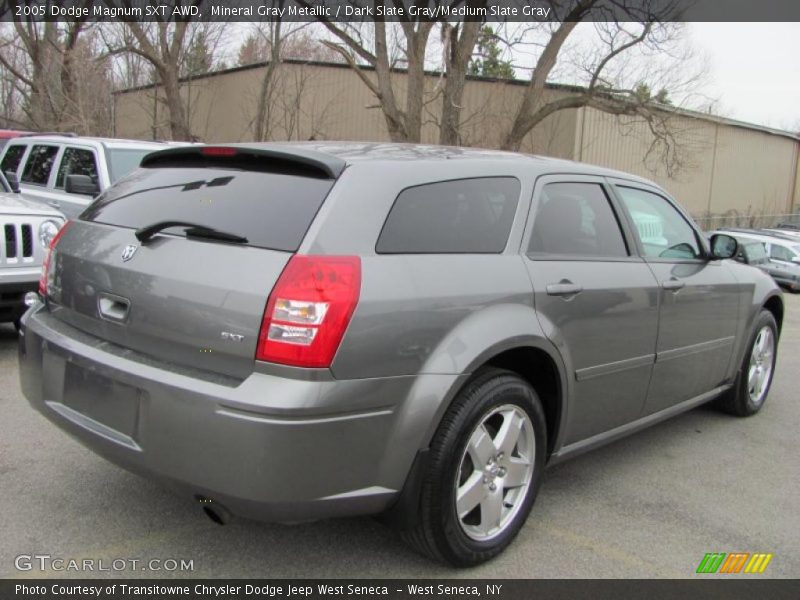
[[81, 184], [723, 246], [13, 182]]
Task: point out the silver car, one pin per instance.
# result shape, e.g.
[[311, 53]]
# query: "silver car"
[[783, 249], [297, 331]]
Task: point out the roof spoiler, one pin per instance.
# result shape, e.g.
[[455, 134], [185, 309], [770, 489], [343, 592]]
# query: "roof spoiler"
[[328, 165]]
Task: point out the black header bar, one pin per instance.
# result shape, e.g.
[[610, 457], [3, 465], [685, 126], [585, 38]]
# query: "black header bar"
[[397, 10], [732, 588]]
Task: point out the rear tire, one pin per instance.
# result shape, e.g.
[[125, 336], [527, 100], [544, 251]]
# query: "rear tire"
[[484, 469], [750, 391]]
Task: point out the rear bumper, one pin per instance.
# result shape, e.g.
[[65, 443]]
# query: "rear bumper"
[[270, 447]]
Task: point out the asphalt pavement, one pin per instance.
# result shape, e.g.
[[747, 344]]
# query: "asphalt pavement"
[[651, 505]]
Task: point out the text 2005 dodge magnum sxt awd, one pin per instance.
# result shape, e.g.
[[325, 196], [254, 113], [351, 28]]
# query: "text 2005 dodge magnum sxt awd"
[[288, 332]]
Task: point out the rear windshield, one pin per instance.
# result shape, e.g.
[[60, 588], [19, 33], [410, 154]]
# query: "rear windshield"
[[122, 161], [272, 210]]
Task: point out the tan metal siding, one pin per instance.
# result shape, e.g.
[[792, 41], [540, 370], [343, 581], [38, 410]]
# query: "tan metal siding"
[[753, 173], [625, 143], [332, 103], [724, 169]]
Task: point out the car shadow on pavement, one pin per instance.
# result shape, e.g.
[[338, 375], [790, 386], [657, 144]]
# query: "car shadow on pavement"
[[656, 483]]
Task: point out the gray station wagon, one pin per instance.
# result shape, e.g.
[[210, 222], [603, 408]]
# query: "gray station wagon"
[[296, 331]]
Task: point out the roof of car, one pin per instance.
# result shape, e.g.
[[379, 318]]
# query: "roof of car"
[[762, 235], [107, 142], [333, 156]]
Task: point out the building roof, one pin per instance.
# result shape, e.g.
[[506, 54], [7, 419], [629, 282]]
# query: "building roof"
[[519, 82]]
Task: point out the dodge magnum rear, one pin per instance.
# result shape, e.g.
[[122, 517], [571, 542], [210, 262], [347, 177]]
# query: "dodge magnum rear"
[[290, 332]]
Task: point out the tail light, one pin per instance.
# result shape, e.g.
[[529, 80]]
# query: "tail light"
[[309, 309], [218, 151], [44, 277]]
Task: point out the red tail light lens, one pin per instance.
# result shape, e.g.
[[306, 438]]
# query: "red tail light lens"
[[43, 278], [218, 151], [309, 310]]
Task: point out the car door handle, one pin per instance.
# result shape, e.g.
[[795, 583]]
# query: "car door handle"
[[564, 288], [673, 284]]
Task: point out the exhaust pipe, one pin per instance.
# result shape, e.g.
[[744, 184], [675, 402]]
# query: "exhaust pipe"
[[214, 511]]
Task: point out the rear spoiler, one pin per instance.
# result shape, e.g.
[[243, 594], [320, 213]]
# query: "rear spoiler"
[[325, 164]]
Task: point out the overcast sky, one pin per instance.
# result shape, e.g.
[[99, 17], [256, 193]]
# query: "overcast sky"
[[755, 70]]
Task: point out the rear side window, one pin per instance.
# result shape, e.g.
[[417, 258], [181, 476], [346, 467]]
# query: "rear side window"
[[270, 209], [12, 158], [576, 219], [76, 161], [780, 253], [757, 252], [452, 217], [751, 252], [122, 161], [40, 163]]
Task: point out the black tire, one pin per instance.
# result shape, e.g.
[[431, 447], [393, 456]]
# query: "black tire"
[[438, 532], [737, 401]]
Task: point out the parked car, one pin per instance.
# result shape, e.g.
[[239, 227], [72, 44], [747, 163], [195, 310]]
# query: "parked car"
[[26, 230], [782, 232], [296, 331], [784, 254], [67, 172], [754, 253], [789, 225]]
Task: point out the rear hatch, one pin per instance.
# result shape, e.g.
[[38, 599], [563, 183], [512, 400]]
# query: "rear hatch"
[[185, 296]]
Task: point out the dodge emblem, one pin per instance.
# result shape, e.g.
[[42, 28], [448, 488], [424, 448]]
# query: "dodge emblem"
[[129, 251]]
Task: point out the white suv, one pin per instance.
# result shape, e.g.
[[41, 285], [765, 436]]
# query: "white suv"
[[68, 172], [26, 230]]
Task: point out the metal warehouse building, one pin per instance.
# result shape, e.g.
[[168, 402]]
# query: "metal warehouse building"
[[731, 172]]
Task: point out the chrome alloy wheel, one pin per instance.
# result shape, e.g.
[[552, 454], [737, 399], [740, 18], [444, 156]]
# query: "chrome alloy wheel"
[[761, 363], [495, 472]]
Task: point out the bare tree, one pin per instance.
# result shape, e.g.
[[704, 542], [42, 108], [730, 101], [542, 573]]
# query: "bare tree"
[[272, 39], [161, 44], [88, 106], [634, 49], [165, 44], [361, 44], [278, 99], [459, 43], [13, 91], [610, 77], [40, 57], [298, 42]]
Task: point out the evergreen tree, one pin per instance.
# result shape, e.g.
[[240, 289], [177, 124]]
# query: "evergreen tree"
[[487, 60]]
